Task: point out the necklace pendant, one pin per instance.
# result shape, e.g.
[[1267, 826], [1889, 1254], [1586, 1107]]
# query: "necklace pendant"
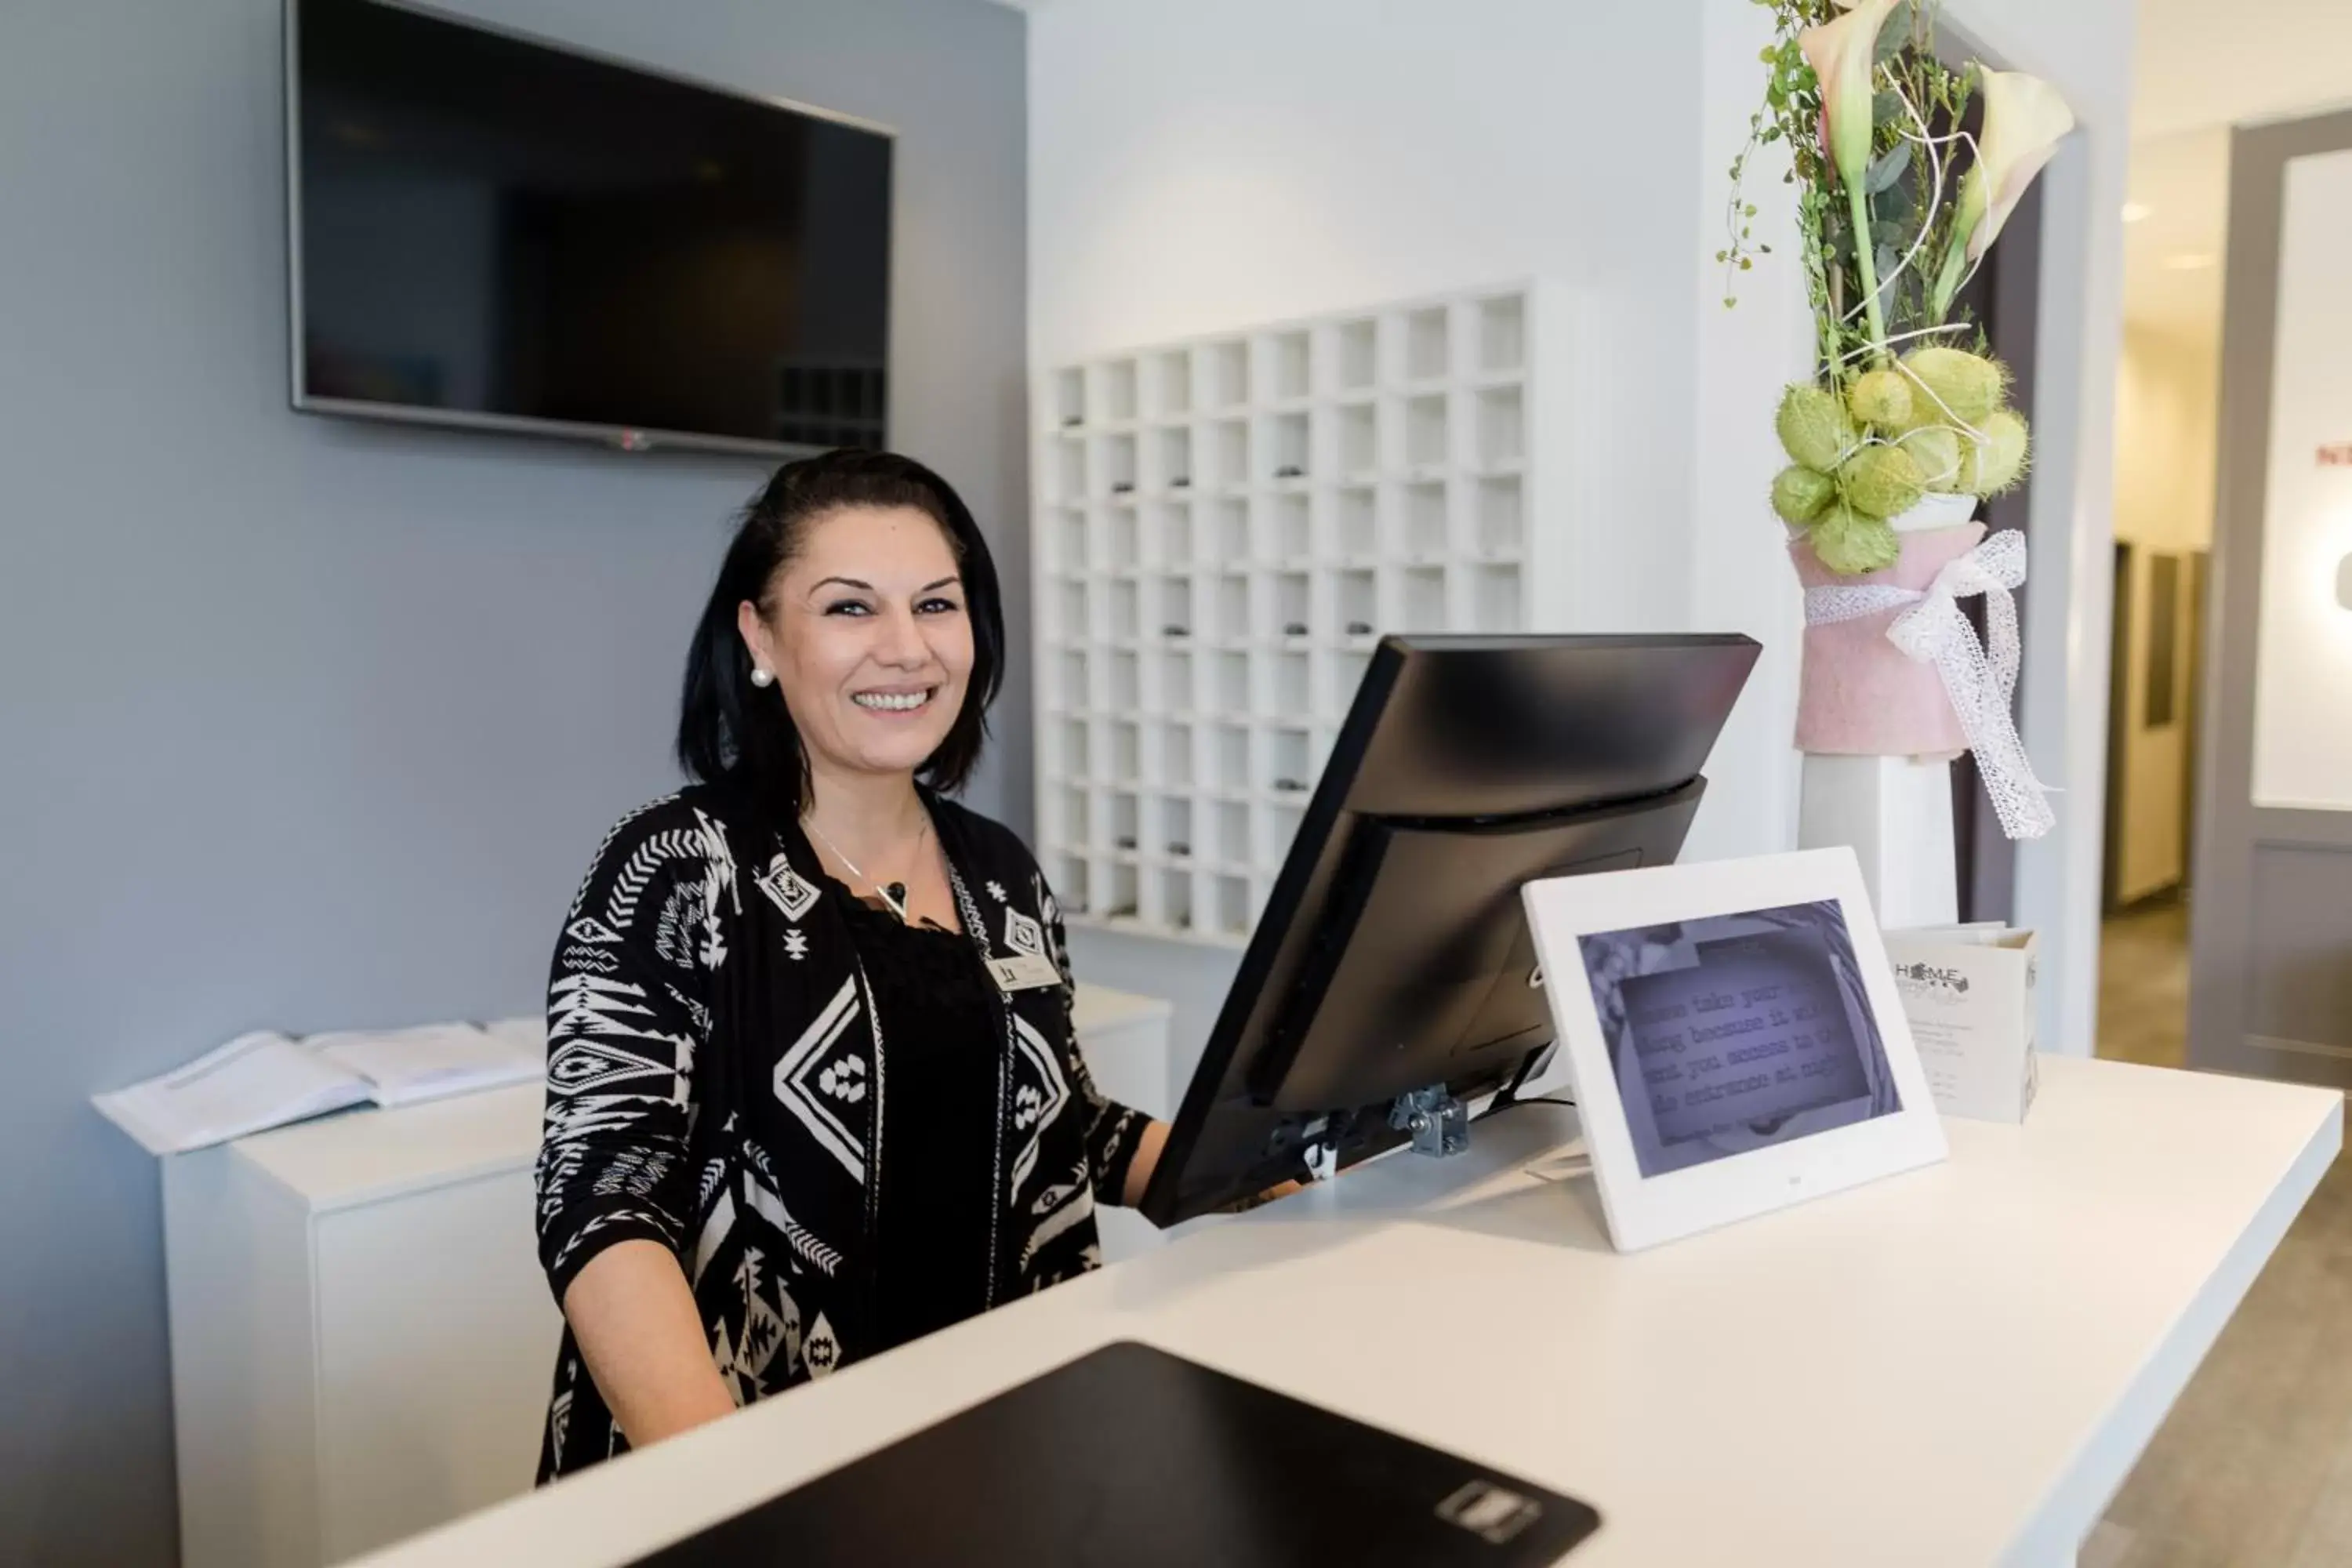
[[894, 894]]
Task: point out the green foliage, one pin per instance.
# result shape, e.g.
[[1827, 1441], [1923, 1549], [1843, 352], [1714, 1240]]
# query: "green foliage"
[[1959, 386], [1813, 427], [1881, 481], [1881, 398], [1994, 466]]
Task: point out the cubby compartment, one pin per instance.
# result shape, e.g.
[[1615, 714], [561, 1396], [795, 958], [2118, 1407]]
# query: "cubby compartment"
[[1359, 452], [1119, 895], [1176, 683], [1070, 397], [1424, 518], [1291, 532], [1072, 884], [1114, 463], [1176, 607], [1233, 911], [1425, 356], [1281, 828], [1286, 446], [1359, 365], [1234, 622], [1232, 682], [1070, 539], [1176, 897], [1423, 599], [1293, 695], [1502, 426], [1360, 523], [1425, 430], [1503, 333], [1501, 524], [1175, 374], [1076, 696], [1233, 448], [1176, 754], [1176, 458], [1119, 390], [1230, 537], [1290, 364], [1072, 820], [1070, 468], [1233, 833], [1077, 760], [1497, 598], [1123, 613], [1126, 681], [1126, 753], [1347, 674], [1226, 369], [1292, 602], [1170, 533], [1359, 602], [1126, 532], [1176, 827], [1070, 601], [1232, 757], [1289, 765]]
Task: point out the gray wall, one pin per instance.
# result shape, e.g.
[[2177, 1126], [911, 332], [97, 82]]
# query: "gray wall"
[[306, 724]]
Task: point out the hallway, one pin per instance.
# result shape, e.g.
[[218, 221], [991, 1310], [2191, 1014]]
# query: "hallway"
[[2254, 1467]]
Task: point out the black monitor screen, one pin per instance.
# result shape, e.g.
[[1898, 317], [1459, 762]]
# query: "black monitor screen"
[[1736, 1032], [492, 228]]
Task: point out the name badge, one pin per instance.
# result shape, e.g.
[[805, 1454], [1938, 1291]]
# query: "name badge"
[[1024, 971]]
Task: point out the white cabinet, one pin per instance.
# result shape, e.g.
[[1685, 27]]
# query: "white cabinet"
[[362, 1338]]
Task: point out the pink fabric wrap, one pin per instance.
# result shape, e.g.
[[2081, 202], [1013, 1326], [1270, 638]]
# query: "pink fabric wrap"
[[1861, 696]]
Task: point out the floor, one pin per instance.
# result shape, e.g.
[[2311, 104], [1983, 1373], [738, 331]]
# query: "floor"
[[2253, 1467]]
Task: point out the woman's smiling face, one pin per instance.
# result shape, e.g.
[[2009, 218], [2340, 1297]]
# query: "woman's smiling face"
[[865, 631]]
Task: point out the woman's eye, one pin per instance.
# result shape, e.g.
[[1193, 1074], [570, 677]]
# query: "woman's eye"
[[848, 608], [938, 606]]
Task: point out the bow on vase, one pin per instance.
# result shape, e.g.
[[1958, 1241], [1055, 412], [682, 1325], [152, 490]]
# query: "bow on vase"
[[1932, 630]]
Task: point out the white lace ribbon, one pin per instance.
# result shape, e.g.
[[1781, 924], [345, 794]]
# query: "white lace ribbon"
[[1932, 630]]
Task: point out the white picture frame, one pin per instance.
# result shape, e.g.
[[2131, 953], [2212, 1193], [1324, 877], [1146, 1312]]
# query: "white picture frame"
[[1685, 984]]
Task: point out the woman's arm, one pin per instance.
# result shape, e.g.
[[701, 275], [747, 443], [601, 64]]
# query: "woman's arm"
[[628, 1014], [1146, 1158], [634, 1317]]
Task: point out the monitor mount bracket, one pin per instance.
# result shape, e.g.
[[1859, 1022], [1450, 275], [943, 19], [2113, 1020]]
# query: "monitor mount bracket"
[[1438, 1123]]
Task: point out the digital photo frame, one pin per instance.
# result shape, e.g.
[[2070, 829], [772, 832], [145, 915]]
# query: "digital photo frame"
[[1734, 1038]]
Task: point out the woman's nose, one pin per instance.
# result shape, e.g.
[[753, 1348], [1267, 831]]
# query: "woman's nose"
[[902, 640]]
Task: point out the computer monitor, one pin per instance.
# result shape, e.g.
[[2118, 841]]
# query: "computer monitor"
[[1391, 978]]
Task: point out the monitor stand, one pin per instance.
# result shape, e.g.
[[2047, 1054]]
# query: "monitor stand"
[[1438, 1123]]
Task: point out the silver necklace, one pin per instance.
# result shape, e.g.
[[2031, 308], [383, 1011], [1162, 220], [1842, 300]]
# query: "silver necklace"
[[892, 894]]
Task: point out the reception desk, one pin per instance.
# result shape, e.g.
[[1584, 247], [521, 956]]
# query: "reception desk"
[[1954, 1366]]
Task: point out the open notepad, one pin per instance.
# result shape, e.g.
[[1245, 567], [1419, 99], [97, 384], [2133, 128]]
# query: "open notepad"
[[267, 1079]]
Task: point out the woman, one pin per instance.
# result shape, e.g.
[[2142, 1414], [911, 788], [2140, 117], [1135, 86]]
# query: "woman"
[[813, 1089]]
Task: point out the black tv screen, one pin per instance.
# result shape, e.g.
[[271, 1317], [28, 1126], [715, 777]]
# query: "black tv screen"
[[490, 231]]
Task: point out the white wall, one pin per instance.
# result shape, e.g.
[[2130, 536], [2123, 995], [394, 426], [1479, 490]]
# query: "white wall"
[[2165, 393], [2302, 674], [1203, 165]]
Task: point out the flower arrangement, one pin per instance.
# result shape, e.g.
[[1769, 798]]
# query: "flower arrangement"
[[1897, 205]]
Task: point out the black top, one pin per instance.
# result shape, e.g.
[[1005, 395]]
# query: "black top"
[[938, 1010]]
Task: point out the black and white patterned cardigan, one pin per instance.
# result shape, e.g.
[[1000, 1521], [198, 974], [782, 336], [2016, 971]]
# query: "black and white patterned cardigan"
[[717, 1081]]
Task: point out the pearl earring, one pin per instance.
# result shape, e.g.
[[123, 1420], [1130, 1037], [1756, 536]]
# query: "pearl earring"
[[761, 677]]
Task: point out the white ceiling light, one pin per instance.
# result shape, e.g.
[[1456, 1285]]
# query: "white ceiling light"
[[2135, 211]]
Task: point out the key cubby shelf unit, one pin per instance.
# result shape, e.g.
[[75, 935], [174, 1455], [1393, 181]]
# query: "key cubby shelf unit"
[[1225, 527]]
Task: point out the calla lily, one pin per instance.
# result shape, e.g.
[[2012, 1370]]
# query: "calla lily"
[[2024, 121], [1842, 54]]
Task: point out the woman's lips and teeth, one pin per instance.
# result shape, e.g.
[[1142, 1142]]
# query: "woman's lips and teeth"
[[895, 702]]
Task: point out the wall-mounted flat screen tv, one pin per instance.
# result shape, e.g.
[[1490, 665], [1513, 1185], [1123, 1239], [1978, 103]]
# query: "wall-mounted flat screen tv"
[[489, 231]]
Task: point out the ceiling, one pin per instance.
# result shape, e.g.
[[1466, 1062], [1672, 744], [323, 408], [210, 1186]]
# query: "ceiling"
[[2204, 65]]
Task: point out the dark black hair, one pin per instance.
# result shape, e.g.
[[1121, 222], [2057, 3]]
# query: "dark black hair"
[[728, 731]]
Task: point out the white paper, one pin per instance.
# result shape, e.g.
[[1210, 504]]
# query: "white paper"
[[1969, 994], [403, 1067], [255, 1081]]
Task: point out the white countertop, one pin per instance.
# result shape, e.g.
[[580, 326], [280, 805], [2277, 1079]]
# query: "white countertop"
[[1956, 1365]]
